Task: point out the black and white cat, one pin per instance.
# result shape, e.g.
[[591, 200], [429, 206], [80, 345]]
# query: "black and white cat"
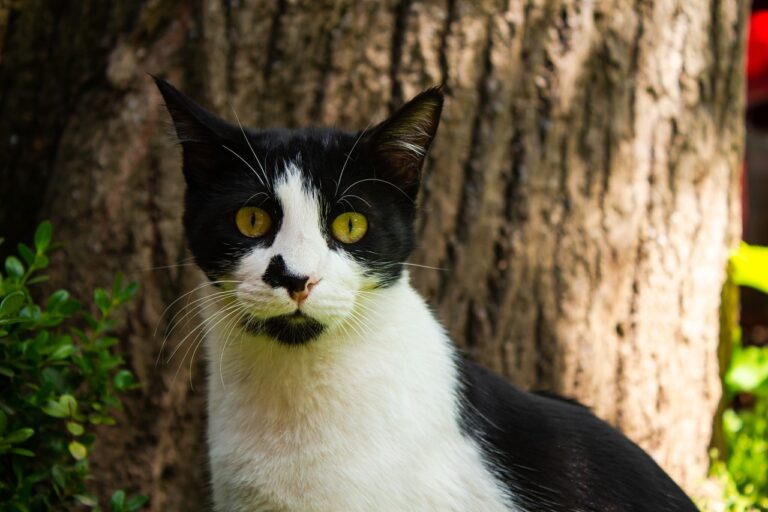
[[332, 387]]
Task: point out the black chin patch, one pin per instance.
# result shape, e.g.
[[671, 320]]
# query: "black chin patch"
[[292, 329]]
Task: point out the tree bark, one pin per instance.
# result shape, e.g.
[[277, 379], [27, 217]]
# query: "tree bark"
[[578, 204]]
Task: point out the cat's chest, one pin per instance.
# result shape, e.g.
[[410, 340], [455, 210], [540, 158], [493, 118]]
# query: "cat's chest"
[[350, 443], [355, 467]]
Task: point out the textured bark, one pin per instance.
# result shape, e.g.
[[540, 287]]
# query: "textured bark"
[[578, 203]]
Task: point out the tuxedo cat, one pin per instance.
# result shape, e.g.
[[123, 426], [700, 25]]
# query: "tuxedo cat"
[[332, 387]]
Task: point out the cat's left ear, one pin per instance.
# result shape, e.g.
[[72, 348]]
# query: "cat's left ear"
[[199, 132], [399, 144]]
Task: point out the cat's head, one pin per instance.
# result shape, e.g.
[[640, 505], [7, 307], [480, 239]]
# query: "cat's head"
[[299, 224]]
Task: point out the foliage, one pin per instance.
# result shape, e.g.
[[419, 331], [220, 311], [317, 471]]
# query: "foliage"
[[59, 377], [744, 471]]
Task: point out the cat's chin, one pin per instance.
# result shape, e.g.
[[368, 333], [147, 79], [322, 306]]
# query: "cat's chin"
[[292, 329]]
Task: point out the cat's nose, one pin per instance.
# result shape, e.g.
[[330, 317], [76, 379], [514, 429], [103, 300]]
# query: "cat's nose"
[[277, 275], [301, 295]]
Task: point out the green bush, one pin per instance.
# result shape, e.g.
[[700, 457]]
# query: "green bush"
[[59, 377], [744, 470]]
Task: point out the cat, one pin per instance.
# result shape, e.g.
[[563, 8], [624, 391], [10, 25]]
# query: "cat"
[[332, 387]]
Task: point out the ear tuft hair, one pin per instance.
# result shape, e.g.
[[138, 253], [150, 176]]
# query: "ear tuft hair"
[[199, 132], [192, 122], [402, 141]]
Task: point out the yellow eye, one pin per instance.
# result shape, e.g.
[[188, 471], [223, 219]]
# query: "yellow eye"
[[349, 227], [253, 221]]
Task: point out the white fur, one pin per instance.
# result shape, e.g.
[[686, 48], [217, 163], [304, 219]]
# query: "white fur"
[[363, 418]]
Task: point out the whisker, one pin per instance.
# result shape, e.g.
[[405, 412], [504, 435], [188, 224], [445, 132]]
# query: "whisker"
[[246, 163], [336, 192], [263, 171], [195, 306], [202, 323], [379, 180], [356, 197], [205, 332], [231, 327]]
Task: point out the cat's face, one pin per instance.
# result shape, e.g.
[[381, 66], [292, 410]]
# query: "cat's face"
[[299, 224]]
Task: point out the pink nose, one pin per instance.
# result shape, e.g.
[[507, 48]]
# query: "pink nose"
[[301, 296]]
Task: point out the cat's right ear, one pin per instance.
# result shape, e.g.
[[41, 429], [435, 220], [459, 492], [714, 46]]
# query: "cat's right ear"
[[199, 132]]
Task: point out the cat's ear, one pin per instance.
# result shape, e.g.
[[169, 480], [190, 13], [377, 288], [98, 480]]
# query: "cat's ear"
[[400, 143], [199, 132]]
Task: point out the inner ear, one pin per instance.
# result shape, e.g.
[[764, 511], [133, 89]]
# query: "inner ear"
[[399, 144], [200, 133]]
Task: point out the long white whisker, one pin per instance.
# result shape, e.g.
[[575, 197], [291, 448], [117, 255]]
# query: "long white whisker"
[[263, 171], [346, 161], [204, 333], [202, 323], [376, 179], [194, 306], [200, 330], [207, 283], [356, 197], [246, 163], [231, 327]]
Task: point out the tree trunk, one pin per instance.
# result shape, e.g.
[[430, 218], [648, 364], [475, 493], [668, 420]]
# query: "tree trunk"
[[578, 205]]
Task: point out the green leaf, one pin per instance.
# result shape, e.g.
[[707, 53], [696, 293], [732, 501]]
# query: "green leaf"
[[62, 352], [23, 452], [118, 499], [136, 503], [117, 284], [749, 267], [14, 267], [88, 500], [75, 429], [129, 291], [59, 476], [56, 299], [43, 236], [26, 253], [105, 342], [38, 279], [124, 380], [69, 403], [4, 370], [77, 450], [41, 261], [19, 436], [748, 370], [102, 300], [12, 303], [3, 422], [55, 409]]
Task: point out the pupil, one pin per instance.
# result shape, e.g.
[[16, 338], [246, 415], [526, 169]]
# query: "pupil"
[[349, 224], [253, 219]]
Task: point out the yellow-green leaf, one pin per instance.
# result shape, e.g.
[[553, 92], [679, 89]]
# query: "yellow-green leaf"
[[75, 429], [749, 267], [77, 450]]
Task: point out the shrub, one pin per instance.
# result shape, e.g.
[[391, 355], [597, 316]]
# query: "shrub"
[[59, 377], [744, 470]]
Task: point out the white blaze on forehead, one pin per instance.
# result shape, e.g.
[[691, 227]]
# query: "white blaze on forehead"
[[299, 239]]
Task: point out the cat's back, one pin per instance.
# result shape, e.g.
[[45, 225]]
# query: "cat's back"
[[554, 454]]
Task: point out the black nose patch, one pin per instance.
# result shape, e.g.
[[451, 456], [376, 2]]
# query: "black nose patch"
[[278, 276]]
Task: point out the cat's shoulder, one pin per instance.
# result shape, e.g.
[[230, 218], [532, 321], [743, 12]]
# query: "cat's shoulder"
[[553, 453]]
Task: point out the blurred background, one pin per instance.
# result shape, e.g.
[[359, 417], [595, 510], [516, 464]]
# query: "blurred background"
[[590, 182]]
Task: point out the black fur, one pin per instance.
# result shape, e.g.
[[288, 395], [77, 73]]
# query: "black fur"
[[294, 329], [278, 276], [553, 454]]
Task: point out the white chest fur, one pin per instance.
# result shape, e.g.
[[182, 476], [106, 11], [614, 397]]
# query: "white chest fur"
[[362, 419]]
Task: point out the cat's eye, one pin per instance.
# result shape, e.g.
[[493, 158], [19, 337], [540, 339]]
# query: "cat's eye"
[[349, 227], [252, 221]]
